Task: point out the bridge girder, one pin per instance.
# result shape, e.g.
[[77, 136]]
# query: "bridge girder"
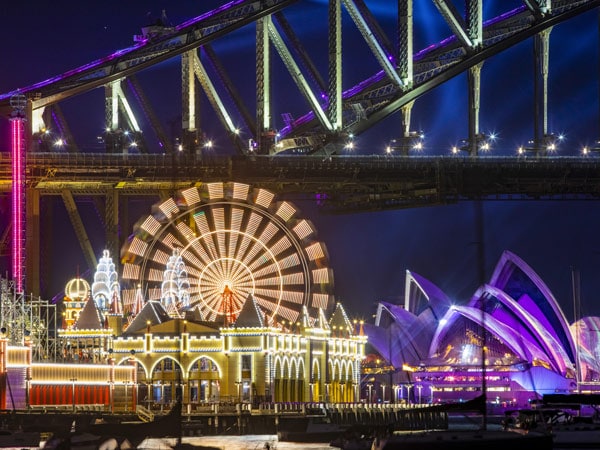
[[341, 182], [344, 113]]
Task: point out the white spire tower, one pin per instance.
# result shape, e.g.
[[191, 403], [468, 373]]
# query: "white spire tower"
[[106, 290], [175, 287]]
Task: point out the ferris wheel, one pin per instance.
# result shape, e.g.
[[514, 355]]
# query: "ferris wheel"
[[230, 242]]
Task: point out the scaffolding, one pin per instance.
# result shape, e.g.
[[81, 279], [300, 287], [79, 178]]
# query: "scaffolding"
[[27, 317]]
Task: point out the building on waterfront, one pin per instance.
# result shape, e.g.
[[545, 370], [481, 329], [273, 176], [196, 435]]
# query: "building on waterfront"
[[224, 293], [430, 349], [247, 360]]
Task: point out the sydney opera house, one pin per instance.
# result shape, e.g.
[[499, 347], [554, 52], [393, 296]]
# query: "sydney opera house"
[[512, 330]]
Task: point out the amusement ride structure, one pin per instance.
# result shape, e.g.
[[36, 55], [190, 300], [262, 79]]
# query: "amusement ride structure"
[[222, 243]]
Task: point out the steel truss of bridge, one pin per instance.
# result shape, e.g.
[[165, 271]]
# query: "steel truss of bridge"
[[399, 78], [343, 184]]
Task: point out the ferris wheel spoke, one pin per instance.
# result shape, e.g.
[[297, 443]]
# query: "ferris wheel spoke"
[[290, 262], [213, 303], [233, 240], [206, 234], [255, 250], [272, 282], [240, 278], [160, 256], [267, 305], [293, 297], [282, 245], [191, 260], [185, 232], [210, 290], [171, 241], [244, 244], [209, 279], [239, 299], [201, 253], [218, 216], [261, 263], [221, 239], [272, 294], [268, 271], [239, 272], [254, 244], [293, 279], [236, 218]]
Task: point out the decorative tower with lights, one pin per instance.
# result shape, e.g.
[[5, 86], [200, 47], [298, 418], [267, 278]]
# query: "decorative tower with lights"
[[17, 133], [77, 292], [106, 290], [175, 287]]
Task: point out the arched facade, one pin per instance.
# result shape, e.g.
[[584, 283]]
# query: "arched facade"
[[247, 364]]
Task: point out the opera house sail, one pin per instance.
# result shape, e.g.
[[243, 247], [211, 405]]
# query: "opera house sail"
[[432, 347]]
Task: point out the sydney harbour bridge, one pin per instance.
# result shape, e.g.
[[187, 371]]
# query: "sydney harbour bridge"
[[141, 157]]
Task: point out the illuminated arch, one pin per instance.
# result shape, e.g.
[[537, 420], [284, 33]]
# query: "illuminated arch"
[[336, 374], [147, 374], [277, 366], [199, 358], [285, 368], [164, 358], [293, 368], [346, 371], [300, 369], [331, 365], [315, 372], [125, 359]]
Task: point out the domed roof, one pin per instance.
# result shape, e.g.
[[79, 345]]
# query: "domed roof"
[[77, 289]]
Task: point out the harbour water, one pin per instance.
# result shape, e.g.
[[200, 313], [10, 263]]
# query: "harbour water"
[[258, 441], [247, 442]]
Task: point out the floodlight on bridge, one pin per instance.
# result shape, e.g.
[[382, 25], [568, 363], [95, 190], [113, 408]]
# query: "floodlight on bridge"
[[549, 144], [481, 143], [587, 150], [403, 145]]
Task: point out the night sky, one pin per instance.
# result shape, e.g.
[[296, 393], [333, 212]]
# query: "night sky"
[[369, 252]]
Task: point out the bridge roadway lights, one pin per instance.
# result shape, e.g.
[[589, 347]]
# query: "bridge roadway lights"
[[548, 144], [403, 145]]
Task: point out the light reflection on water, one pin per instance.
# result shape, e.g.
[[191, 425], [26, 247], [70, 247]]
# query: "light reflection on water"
[[247, 442], [257, 441]]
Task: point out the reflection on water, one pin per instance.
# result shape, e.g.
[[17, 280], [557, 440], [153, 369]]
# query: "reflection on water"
[[257, 441], [247, 442]]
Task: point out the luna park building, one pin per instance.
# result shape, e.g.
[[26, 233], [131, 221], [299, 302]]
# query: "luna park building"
[[224, 292]]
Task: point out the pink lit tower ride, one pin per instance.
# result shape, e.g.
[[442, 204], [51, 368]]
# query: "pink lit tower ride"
[[17, 133]]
